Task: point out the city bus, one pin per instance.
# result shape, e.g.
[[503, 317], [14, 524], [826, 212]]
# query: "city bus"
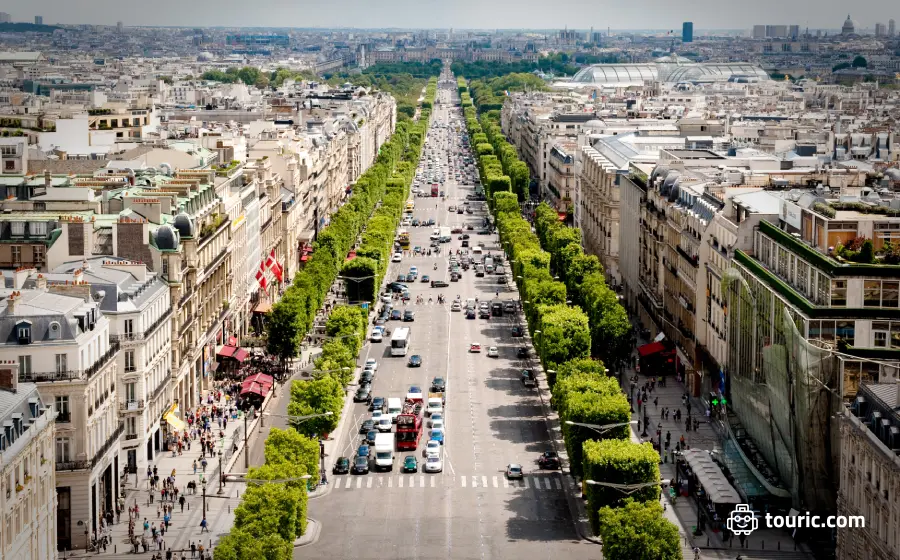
[[400, 341], [403, 239], [435, 189]]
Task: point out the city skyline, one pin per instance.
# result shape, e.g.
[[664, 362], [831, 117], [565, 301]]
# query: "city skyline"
[[464, 14]]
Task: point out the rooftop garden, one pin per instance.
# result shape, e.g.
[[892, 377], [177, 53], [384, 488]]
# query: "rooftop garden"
[[224, 170], [215, 222], [95, 112], [829, 210]]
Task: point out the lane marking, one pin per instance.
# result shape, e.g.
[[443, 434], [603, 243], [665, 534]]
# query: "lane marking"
[[495, 482], [400, 482], [432, 482], [474, 482], [369, 482], [390, 483], [484, 482], [525, 483], [421, 482], [463, 480], [505, 482], [558, 484], [359, 482], [337, 483], [548, 483]]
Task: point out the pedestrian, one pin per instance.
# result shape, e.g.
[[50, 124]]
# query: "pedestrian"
[[181, 503], [655, 402], [151, 496], [193, 550], [203, 526]]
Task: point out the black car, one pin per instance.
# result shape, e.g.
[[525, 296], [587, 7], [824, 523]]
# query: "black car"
[[396, 315], [415, 360], [470, 314], [522, 353], [398, 287], [361, 466], [367, 426], [518, 331], [484, 314], [408, 315], [341, 466], [438, 385], [377, 403], [366, 377], [369, 438], [363, 394], [465, 243], [464, 236], [549, 460], [454, 276], [439, 284], [484, 232], [401, 278]]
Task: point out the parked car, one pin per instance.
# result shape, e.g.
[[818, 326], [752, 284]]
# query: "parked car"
[[341, 466]]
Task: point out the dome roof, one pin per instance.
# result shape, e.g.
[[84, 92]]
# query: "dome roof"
[[184, 225], [849, 26], [166, 238]]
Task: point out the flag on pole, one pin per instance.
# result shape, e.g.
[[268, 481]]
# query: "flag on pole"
[[261, 276], [272, 264]]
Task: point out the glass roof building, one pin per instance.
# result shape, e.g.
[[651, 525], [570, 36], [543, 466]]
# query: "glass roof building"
[[667, 69]]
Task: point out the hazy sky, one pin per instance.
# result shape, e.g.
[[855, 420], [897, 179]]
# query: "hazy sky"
[[481, 14]]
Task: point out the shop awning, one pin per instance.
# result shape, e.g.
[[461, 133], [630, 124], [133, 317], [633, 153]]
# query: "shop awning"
[[258, 384], [304, 257], [226, 351], [711, 478], [350, 256], [263, 306], [652, 348], [232, 341], [241, 355], [174, 421]]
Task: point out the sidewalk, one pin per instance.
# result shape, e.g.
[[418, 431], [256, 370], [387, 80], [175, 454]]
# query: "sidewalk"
[[184, 526]]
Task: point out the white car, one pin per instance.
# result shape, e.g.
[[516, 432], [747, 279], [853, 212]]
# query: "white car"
[[435, 417], [384, 424], [456, 306], [433, 464], [436, 424], [376, 416], [493, 352], [432, 449], [398, 257], [377, 336], [371, 364]]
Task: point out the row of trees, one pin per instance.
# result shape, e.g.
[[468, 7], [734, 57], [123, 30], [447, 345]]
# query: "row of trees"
[[273, 510], [577, 324], [380, 186]]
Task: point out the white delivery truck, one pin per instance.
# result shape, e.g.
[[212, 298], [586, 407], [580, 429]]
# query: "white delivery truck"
[[384, 451], [394, 408], [446, 236]]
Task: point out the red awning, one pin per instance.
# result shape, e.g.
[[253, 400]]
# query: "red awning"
[[351, 255], [259, 383], [241, 355], [226, 351], [304, 258], [562, 216], [652, 348], [232, 341]]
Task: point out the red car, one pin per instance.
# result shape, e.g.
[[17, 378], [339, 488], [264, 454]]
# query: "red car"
[[456, 230]]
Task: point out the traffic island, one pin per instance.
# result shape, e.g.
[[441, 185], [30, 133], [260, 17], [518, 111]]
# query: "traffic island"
[[313, 528]]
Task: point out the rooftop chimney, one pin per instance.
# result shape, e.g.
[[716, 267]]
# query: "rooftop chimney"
[[78, 276], [9, 379], [12, 302], [48, 178], [42, 282]]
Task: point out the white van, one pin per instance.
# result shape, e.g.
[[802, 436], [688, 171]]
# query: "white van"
[[435, 404], [477, 250], [384, 451], [489, 265], [435, 234], [394, 408]]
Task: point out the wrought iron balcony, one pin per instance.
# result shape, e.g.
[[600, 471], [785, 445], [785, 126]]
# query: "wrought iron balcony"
[[73, 465]]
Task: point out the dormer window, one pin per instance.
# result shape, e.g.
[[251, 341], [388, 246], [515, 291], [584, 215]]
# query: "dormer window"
[[17, 229], [38, 228], [23, 329], [54, 331]]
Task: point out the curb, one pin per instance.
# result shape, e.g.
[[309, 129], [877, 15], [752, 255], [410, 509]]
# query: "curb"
[[313, 529]]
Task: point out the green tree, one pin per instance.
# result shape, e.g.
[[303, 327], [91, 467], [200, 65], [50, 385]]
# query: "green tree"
[[506, 202], [611, 332], [317, 397], [621, 462], [269, 508], [284, 331], [860, 62], [364, 289], [565, 334], [638, 530], [241, 545], [290, 447], [566, 369]]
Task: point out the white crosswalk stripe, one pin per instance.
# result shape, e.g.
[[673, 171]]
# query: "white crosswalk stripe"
[[479, 482]]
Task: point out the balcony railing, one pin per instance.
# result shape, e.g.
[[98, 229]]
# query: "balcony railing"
[[113, 438], [135, 336], [131, 436], [161, 387], [73, 465], [104, 360], [51, 376], [131, 405]]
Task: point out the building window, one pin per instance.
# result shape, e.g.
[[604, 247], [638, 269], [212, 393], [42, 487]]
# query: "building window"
[[17, 229], [61, 404], [880, 339], [129, 327], [25, 364], [129, 361], [165, 268], [872, 293], [131, 425], [838, 293], [16, 251], [38, 228], [130, 392], [39, 206], [61, 363], [38, 252], [63, 450], [9, 165]]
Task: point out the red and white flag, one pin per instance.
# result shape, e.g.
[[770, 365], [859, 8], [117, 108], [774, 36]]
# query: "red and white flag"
[[272, 264], [261, 276]]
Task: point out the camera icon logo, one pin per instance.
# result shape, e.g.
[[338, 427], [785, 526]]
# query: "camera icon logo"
[[742, 520]]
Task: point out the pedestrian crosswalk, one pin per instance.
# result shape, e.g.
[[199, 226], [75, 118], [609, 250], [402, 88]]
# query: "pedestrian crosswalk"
[[412, 481]]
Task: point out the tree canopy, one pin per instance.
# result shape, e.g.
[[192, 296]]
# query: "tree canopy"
[[638, 530]]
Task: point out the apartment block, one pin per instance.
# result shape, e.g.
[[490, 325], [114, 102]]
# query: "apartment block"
[[28, 503]]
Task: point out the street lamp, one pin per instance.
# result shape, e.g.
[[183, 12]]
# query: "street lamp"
[[203, 490], [222, 473], [598, 428], [628, 489]]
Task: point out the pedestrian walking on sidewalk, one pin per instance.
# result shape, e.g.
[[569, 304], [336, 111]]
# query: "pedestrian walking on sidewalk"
[[181, 503]]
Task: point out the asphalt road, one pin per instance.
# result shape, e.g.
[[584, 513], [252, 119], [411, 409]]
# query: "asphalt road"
[[469, 510]]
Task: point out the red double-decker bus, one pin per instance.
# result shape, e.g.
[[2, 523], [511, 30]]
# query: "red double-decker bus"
[[409, 431]]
